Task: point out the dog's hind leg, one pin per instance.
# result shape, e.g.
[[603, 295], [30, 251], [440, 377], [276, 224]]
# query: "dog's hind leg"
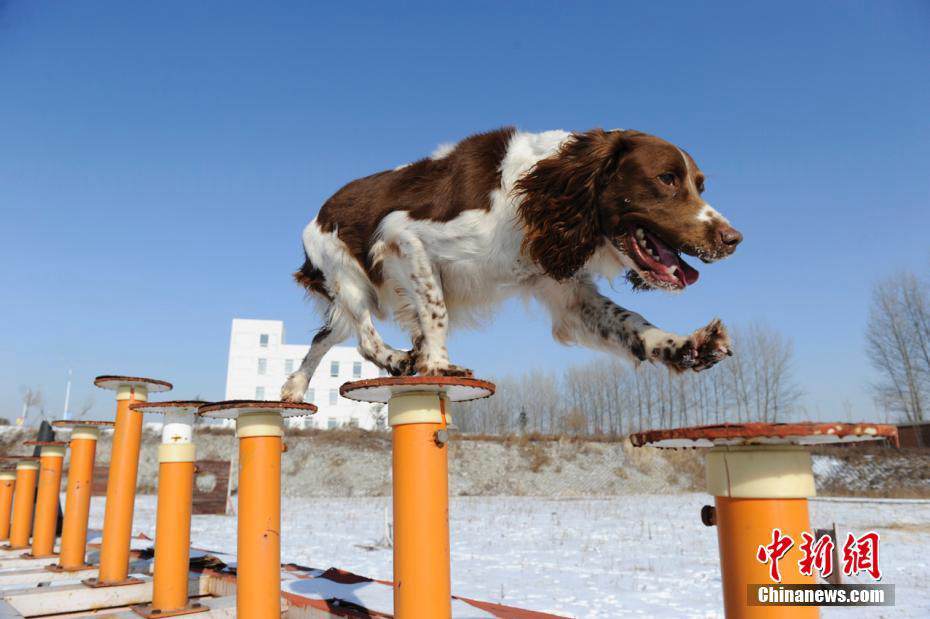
[[410, 266], [331, 333]]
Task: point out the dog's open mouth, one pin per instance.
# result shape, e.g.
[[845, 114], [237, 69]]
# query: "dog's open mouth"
[[657, 261]]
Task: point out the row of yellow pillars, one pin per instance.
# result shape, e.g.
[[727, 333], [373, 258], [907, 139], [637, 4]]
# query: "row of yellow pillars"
[[33, 491], [757, 488], [417, 416], [33, 494]]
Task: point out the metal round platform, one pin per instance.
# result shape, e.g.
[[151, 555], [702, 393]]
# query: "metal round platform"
[[173, 406], [456, 389], [115, 382], [75, 423], [17, 458], [46, 443], [806, 433], [231, 409]]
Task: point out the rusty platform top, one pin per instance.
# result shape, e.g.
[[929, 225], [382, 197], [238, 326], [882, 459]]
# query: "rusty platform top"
[[456, 389], [46, 443], [805, 433], [231, 409], [173, 406], [76, 423], [114, 382], [17, 458]]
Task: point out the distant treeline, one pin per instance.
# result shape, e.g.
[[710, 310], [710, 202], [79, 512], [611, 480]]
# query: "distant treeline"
[[609, 396]]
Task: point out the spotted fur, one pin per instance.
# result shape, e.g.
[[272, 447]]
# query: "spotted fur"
[[441, 241]]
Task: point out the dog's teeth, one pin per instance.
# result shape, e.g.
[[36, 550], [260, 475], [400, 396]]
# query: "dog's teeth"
[[640, 234], [672, 270]]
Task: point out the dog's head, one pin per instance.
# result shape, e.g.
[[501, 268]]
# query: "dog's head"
[[633, 191]]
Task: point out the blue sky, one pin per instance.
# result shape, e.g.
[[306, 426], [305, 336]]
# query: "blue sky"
[[158, 161]]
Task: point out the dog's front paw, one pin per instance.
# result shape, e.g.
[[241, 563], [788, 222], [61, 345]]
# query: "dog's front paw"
[[295, 388], [703, 348]]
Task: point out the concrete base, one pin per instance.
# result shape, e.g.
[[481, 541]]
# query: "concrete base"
[[6, 552], [214, 608], [22, 563], [71, 598], [149, 612], [20, 579], [307, 593], [35, 576]]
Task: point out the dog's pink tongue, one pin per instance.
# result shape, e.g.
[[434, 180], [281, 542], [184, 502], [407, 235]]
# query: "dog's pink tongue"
[[691, 274], [687, 273]]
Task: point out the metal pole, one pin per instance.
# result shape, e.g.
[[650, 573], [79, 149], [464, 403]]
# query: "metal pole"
[[46, 514], [258, 582], [758, 488], [121, 482], [77, 499], [176, 457], [7, 480], [422, 586], [64, 413], [24, 493]]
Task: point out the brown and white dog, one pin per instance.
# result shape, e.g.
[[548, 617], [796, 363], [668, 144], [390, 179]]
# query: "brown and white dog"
[[440, 241]]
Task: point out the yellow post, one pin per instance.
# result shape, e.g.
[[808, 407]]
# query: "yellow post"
[[24, 495], [259, 428], [758, 488], [176, 457], [7, 479], [44, 526], [760, 475], [121, 484], [422, 587], [77, 497], [259, 548], [418, 419]]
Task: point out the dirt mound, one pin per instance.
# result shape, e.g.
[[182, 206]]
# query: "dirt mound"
[[353, 463]]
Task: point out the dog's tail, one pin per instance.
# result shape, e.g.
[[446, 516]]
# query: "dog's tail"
[[311, 278]]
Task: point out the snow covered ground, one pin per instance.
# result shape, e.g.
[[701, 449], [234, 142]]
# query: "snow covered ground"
[[645, 555]]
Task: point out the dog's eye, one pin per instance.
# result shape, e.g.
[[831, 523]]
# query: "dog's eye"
[[667, 178], [700, 186]]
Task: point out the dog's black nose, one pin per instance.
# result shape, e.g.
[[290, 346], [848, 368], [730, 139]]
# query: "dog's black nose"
[[730, 236]]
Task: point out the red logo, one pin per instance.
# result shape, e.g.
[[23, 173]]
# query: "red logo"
[[817, 555], [860, 554], [773, 552]]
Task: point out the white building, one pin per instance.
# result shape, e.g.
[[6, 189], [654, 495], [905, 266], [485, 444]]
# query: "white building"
[[260, 361]]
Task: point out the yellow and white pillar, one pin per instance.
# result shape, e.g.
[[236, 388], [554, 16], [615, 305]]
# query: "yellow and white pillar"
[[259, 428], [758, 488], [121, 484], [45, 524], [419, 420], [24, 495], [7, 481], [176, 457], [83, 444]]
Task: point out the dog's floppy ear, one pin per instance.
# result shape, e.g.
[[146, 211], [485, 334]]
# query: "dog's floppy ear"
[[560, 197]]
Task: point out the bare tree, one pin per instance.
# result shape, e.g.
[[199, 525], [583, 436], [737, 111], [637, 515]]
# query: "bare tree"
[[84, 408], [898, 343], [762, 375], [608, 396], [31, 397]]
